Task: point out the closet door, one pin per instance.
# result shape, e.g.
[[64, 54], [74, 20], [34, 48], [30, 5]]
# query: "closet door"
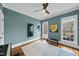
[[1, 28]]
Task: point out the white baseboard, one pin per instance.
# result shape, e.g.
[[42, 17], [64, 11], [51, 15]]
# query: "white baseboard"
[[45, 36], [13, 46], [69, 44]]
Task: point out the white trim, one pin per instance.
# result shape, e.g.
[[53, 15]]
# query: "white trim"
[[8, 51], [1, 27], [24, 42], [69, 44], [44, 35], [75, 43]]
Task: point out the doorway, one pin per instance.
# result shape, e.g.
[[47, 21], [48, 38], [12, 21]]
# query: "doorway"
[[45, 29], [69, 30]]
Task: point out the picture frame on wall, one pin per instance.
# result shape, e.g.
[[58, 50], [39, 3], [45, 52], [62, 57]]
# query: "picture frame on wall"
[[30, 30], [53, 28]]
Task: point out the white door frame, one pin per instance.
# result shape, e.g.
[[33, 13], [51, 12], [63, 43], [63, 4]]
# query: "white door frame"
[[43, 29], [1, 28], [75, 18]]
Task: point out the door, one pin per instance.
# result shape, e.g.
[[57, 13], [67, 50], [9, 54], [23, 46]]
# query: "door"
[[45, 29], [1, 28], [69, 30]]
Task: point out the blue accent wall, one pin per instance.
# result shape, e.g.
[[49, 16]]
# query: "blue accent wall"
[[15, 27], [57, 20], [1, 7]]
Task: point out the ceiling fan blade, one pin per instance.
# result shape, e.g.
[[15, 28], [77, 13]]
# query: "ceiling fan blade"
[[44, 9], [47, 12], [45, 5], [37, 10]]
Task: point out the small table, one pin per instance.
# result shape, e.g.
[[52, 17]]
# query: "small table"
[[52, 41]]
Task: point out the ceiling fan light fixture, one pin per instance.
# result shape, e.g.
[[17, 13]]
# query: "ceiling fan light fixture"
[[43, 10]]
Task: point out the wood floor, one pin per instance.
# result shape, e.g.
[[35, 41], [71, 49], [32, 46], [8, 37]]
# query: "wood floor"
[[76, 51], [18, 50]]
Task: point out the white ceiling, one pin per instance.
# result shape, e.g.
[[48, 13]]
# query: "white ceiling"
[[54, 9]]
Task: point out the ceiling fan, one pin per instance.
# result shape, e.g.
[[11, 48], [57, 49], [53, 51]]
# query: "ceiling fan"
[[44, 9]]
